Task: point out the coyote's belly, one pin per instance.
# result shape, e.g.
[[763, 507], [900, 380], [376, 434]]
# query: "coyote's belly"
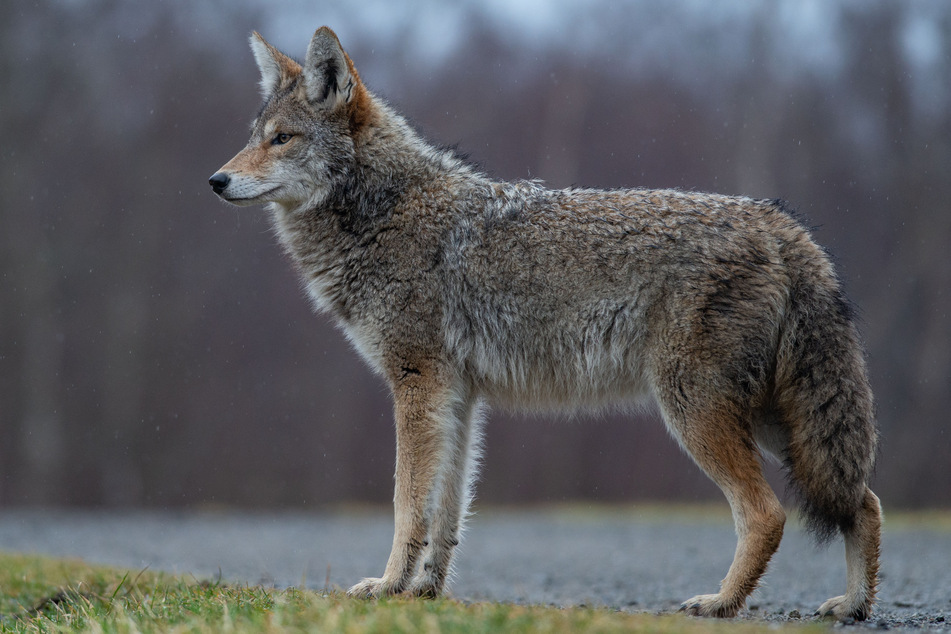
[[576, 354]]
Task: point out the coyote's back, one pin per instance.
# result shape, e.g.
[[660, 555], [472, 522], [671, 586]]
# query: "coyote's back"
[[458, 289]]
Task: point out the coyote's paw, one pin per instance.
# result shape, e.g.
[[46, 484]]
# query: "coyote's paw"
[[373, 588], [839, 608], [427, 586], [709, 605], [425, 589]]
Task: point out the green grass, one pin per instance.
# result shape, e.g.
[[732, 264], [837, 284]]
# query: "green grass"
[[50, 595]]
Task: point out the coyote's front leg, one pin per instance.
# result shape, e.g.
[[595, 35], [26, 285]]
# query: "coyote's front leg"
[[451, 500], [422, 415]]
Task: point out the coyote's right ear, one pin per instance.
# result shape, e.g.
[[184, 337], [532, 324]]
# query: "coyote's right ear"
[[277, 69], [328, 75]]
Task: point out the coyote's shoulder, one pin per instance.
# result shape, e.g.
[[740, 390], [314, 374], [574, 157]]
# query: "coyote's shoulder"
[[460, 289]]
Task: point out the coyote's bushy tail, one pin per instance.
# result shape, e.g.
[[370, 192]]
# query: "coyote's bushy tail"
[[824, 397]]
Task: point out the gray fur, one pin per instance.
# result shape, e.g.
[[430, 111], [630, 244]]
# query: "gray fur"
[[457, 289]]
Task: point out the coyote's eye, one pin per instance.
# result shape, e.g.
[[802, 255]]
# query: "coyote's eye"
[[281, 138]]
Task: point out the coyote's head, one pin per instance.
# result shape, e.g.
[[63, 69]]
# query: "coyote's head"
[[302, 141]]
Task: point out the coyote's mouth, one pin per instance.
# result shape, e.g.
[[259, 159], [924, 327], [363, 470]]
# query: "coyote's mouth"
[[249, 200]]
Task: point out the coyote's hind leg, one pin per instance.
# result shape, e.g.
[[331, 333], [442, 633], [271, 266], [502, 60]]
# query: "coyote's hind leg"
[[719, 443], [862, 550]]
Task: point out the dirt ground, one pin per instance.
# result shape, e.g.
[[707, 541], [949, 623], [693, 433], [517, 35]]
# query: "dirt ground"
[[629, 559]]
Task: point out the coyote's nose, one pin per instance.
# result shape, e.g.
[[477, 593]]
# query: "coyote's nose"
[[219, 181]]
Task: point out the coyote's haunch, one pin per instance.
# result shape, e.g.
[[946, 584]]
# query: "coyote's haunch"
[[459, 289]]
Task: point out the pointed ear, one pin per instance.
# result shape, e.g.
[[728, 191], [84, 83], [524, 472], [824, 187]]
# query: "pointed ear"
[[328, 74], [276, 68]]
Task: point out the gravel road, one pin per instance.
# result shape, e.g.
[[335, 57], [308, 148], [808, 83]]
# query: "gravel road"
[[617, 558]]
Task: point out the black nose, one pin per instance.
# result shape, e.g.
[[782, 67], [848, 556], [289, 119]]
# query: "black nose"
[[219, 181]]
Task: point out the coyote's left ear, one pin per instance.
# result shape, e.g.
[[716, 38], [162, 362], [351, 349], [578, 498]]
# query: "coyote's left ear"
[[327, 71]]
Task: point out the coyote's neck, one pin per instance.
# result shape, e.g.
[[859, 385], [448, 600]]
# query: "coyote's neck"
[[392, 167]]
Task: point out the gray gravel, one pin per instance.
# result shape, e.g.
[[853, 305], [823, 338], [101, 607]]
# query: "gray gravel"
[[619, 559]]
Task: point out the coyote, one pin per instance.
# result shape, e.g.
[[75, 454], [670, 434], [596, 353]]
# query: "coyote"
[[461, 290]]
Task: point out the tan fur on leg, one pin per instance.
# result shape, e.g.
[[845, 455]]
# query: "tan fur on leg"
[[862, 551], [421, 402]]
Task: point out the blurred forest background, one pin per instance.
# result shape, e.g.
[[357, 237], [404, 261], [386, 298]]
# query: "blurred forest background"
[[156, 348]]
